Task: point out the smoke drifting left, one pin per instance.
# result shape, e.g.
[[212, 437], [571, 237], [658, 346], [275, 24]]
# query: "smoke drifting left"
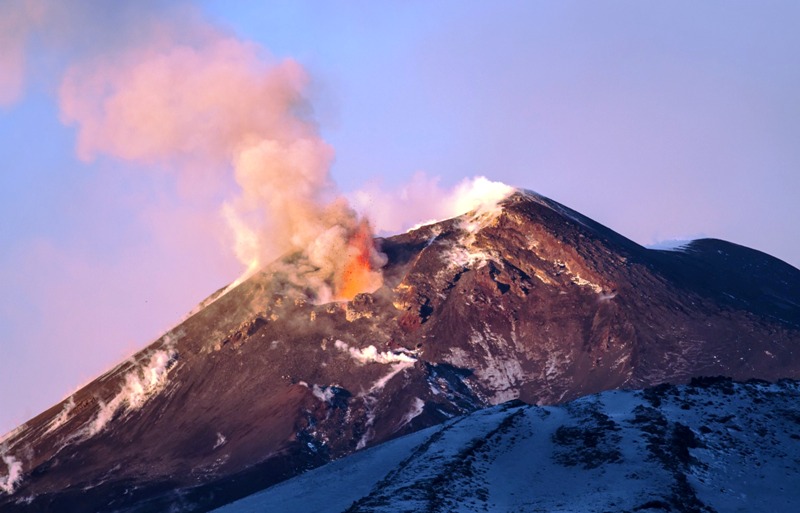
[[158, 87], [184, 96], [202, 147]]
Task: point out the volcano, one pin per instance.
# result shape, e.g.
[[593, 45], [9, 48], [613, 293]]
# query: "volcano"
[[527, 301]]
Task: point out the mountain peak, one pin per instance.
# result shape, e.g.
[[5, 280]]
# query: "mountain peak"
[[523, 299]]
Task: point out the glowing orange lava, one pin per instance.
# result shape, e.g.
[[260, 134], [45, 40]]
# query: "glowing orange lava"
[[357, 275]]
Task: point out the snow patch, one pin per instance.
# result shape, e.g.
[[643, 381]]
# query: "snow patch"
[[671, 245], [499, 374], [355, 478], [324, 394], [556, 360], [368, 433], [711, 448], [369, 399], [465, 253]]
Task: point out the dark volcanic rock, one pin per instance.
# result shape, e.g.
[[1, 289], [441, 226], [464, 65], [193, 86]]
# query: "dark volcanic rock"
[[709, 447], [531, 301]]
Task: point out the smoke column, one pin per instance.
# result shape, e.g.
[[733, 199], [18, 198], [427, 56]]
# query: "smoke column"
[[196, 101], [173, 93]]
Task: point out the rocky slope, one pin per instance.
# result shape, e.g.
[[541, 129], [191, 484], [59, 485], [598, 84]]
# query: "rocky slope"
[[528, 301], [713, 446]]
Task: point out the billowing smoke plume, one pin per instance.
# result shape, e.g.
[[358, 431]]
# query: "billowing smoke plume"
[[214, 102], [172, 92], [186, 97]]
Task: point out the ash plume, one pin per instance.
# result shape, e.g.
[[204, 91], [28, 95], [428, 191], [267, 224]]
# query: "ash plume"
[[193, 97], [169, 92], [182, 95]]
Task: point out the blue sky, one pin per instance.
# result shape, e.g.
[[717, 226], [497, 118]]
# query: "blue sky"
[[661, 120]]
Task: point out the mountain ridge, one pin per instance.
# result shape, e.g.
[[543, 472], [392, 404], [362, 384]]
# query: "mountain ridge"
[[529, 300], [712, 445]]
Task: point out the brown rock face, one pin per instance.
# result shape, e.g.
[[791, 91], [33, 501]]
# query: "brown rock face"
[[531, 301], [557, 306]]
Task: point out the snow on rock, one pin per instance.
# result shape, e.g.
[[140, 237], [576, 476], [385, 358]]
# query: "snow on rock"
[[713, 446], [370, 400], [324, 394], [465, 252], [498, 368], [671, 245], [335, 485]]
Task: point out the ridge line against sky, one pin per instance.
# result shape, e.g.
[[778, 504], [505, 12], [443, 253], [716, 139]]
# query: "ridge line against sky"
[[662, 121]]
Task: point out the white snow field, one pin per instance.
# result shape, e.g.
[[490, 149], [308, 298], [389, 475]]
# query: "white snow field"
[[715, 446]]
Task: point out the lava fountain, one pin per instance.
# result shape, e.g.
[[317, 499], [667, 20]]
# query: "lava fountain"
[[360, 272]]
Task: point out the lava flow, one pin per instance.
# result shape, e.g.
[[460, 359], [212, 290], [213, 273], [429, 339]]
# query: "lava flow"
[[357, 274]]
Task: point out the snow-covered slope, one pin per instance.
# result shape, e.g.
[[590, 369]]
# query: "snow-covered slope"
[[715, 445]]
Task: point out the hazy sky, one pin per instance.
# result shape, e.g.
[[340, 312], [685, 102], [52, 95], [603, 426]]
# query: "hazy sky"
[[660, 120]]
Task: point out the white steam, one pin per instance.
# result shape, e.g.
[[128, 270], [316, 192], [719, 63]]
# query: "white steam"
[[215, 104], [157, 86], [422, 201], [398, 361], [167, 91], [140, 384], [370, 354], [417, 407], [221, 440], [62, 417], [9, 482], [397, 368]]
